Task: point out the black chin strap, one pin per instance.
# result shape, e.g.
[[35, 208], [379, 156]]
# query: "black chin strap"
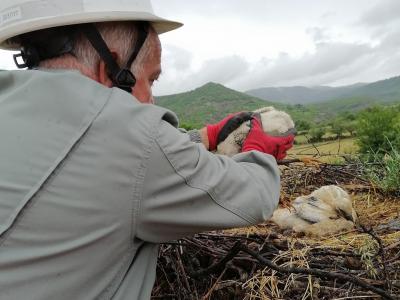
[[122, 78], [142, 36], [57, 41]]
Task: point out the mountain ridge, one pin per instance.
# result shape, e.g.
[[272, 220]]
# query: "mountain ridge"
[[386, 90], [212, 102]]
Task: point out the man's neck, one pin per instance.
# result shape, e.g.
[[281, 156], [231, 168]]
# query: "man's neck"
[[68, 62]]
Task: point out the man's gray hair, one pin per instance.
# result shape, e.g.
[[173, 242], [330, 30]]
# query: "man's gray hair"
[[120, 37]]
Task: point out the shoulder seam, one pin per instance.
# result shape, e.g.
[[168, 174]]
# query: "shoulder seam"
[[94, 111], [139, 182]]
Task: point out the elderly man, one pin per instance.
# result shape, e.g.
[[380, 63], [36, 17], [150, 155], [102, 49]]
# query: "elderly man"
[[91, 178]]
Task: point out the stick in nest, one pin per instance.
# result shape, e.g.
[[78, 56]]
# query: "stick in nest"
[[238, 247]]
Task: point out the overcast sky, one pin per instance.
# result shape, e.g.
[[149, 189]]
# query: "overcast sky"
[[246, 44]]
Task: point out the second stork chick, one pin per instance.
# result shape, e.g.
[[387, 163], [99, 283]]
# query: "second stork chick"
[[325, 211]]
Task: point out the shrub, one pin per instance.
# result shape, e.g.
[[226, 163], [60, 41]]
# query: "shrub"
[[302, 125], [385, 172], [316, 133], [338, 128], [351, 127], [378, 131]]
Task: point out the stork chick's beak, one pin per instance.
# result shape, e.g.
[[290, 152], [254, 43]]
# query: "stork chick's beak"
[[350, 217]]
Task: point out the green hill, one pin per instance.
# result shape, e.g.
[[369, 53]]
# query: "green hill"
[[302, 94], [209, 103], [384, 92], [352, 104], [212, 102], [354, 97]]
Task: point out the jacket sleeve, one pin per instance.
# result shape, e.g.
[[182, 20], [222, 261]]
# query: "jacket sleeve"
[[188, 189]]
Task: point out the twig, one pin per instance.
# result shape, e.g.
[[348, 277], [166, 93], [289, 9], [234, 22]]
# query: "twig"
[[333, 253], [173, 296], [221, 236], [221, 264], [381, 252], [394, 245], [180, 264], [316, 272], [316, 148], [166, 278], [286, 162], [211, 290]]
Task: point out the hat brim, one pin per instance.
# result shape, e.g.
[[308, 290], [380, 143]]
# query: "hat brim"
[[160, 25]]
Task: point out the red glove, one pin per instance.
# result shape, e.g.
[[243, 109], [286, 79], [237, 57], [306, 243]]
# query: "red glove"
[[257, 139], [213, 132]]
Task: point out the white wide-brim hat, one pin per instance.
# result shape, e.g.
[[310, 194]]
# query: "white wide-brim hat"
[[22, 16]]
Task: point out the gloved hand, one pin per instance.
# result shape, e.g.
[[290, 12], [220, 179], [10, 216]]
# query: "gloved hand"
[[214, 130], [257, 139]]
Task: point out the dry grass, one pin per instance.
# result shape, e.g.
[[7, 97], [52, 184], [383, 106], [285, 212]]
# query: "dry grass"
[[330, 152]]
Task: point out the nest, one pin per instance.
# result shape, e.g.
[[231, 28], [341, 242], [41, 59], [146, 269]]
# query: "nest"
[[264, 262]]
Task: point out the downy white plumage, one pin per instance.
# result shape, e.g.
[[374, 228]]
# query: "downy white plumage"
[[325, 211], [274, 122]]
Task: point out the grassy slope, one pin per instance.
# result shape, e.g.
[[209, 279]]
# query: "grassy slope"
[[209, 103], [383, 92], [347, 105]]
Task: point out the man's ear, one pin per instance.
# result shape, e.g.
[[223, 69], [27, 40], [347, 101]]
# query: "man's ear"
[[102, 72]]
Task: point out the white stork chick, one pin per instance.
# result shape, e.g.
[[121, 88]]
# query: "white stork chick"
[[325, 211], [274, 122]]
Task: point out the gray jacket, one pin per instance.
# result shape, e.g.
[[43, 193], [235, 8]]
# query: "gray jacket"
[[91, 181]]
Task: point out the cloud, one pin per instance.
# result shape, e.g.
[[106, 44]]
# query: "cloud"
[[329, 63], [318, 34], [384, 13], [177, 58], [334, 59], [319, 46], [222, 70]]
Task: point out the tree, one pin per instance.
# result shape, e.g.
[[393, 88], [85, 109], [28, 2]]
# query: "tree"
[[316, 133], [351, 127], [378, 130], [302, 125], [338, 128], [348, 116]]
